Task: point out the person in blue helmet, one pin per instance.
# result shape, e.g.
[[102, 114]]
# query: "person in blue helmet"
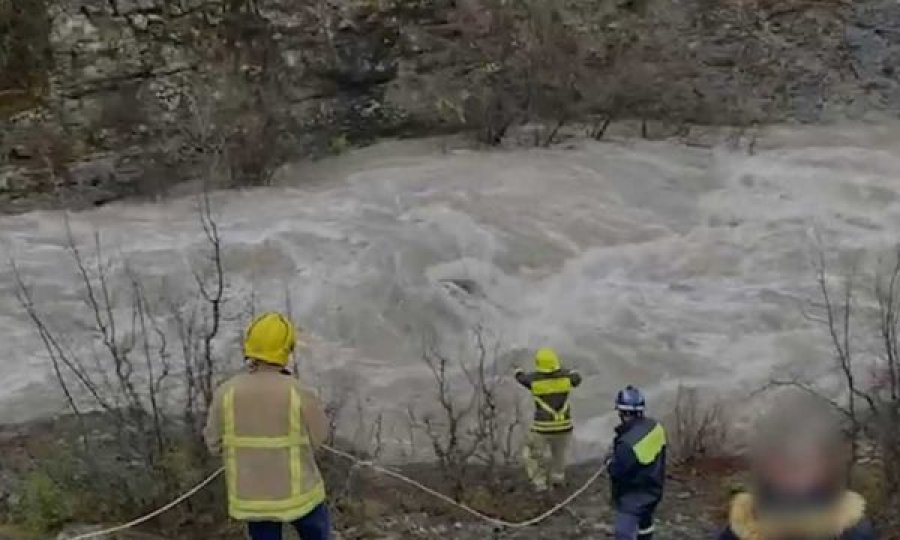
[[637, 467]]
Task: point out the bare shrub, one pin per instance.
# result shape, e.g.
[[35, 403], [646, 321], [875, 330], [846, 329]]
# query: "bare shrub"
[[138, 396], [473, 423], [861, 322], [696, 427], [529, 69], [50, 151], [254, 149], [553, 60], [25, 54], [885, 386]]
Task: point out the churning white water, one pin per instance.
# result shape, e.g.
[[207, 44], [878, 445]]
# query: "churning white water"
[[642, 262]]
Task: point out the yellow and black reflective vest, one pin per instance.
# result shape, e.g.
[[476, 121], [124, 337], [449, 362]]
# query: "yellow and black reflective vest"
[[550, 391]]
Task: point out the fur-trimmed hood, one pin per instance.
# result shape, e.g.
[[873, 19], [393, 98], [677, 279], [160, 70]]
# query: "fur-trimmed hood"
[[843, 516]]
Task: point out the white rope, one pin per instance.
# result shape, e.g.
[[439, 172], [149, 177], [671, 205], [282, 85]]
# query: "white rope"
[[484, 517], [377, 468], [187, 495]]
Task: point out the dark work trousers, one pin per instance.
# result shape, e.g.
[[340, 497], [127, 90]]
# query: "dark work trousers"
[[631, 527], [313, 526]]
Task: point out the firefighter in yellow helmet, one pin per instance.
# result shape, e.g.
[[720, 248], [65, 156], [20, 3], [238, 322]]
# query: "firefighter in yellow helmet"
[[266, 426], [548, 441]]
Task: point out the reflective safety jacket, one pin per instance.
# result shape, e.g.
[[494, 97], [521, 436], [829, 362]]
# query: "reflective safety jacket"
[[550, 391], [266, 426], [637, 469]]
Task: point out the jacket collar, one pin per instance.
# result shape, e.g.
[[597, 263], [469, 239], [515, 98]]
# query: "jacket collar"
[[623, 428], [627, 426], [262, 367], [830, 523]]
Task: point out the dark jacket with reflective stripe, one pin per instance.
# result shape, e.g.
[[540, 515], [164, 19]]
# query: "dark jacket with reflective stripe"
[[550, 391], [637, 469]]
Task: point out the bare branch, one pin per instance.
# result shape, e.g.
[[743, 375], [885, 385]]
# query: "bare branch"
[[808, 389]]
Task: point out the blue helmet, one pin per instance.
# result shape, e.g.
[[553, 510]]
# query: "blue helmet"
[[630, 399]]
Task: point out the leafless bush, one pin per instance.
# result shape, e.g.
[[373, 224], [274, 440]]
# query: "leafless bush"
[[25, 53], [862, 325], [885, 386], [529, 69], [474, 423], [253, 149], [151, 391], [697, 428], [241, 134]]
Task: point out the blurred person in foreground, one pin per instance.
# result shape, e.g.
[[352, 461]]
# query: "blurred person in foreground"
[[799, 486]]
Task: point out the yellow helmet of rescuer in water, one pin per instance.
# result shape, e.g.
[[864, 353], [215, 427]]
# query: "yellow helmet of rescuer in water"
[[271, 338], [546, 360]]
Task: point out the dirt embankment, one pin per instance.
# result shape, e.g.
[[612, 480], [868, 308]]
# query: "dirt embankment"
[[36, 477]]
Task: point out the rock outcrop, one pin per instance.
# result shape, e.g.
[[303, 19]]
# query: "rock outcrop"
[[136, 96]]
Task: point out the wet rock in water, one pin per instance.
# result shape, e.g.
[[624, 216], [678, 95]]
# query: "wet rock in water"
[[468, 286]]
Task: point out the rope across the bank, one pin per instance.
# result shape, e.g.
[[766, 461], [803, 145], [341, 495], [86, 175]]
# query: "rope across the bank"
[[359, 463]]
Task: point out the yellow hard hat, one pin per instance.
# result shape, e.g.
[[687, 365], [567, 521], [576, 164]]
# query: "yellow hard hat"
[[271, 338], [546, 360]]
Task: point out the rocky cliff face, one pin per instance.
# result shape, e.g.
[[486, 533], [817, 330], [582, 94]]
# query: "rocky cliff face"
[[139, 89], [132, 97]]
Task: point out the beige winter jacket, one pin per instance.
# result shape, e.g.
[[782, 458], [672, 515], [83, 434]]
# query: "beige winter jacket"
[[264, 483]]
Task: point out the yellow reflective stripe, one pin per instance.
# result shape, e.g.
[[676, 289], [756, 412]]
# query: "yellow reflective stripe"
[[546, 406], [297, 431], [282, 510], [558, 385], [285, 509], [290, 503], [648, 448], [228, 433], [551, 424], [555, 428], [558, 416], [228, 412], [296, 436], [265, 442]]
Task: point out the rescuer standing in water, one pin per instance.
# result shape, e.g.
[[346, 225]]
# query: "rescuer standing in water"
[[547, 447], [266, 426]]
